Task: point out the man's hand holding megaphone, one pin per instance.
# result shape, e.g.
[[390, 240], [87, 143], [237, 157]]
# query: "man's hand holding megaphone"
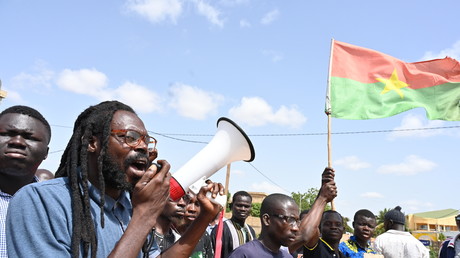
[[209, 208]]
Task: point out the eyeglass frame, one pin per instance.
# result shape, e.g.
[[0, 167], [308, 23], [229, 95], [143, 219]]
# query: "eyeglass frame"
[[286, 219], [138, 141]]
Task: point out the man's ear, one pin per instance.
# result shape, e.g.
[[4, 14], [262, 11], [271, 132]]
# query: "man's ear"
[[46, 155], [266, 219], [93, 144]]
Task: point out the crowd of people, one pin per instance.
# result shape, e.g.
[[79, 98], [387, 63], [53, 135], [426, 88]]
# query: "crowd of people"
[[108, 200]]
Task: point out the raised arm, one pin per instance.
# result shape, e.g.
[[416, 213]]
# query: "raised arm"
[[186, 244], [150, 193], [309, 226]]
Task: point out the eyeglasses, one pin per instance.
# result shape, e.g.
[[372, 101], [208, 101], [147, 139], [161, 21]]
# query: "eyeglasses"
[[133, 138], [293, 221]]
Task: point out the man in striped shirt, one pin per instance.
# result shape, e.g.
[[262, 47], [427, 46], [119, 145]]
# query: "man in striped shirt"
[[24, 138], [236, 232]]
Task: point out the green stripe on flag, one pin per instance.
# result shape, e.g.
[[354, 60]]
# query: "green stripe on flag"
[[350, 99]]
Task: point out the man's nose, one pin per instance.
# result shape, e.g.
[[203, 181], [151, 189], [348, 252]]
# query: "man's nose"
[[17, 140], [142, 146]]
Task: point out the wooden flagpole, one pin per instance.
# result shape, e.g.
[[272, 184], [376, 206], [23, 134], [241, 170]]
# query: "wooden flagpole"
[[328, 112], [227, 180]]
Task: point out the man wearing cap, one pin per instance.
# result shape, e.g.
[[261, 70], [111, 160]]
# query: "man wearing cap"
[[451, 248], [396, 242]]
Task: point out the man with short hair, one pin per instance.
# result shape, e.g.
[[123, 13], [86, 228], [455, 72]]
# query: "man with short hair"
[[364, 224], [331, 228], [236, 231], [203, 248], [451, 247], [281, 226], [106, 197], [44, 174], [165, 236], [396, 242], [24, 138]]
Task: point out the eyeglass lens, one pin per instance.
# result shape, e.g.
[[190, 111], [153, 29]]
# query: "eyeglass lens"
[[133, 138]]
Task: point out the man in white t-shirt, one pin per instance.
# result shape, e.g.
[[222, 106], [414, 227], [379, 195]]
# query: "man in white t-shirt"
[[396, 242]]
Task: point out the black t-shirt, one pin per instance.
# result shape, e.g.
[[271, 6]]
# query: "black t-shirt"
[[323, 250]]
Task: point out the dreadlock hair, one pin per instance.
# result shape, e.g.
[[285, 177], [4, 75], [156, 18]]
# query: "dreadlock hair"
[[94, 121], [25, 110]]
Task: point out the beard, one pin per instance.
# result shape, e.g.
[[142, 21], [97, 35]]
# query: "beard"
[[114, 174]]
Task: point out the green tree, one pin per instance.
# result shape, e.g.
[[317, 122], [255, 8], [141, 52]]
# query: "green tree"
[[380, 217], [441, 237], [347, 227], [255, 209], [306, 200]]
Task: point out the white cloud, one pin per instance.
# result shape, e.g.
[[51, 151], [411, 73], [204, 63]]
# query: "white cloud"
[[84, 81], [270, 17], [414, 206], [372, 195], [94, 83], [193, 102], [267, 187], [274, 55], [412, 165], [234, 2], [453, 52], [238, 172], [210, 12], [255, 111], [13, 96], [138, 97], [411, 121], [352, 163], [156, 10], [40, 78], [244, 23]]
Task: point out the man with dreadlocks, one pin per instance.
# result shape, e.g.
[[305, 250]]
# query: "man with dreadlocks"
[[24, 139], [105, 199]]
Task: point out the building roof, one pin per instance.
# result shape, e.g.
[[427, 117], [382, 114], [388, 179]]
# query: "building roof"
[[437, 214]]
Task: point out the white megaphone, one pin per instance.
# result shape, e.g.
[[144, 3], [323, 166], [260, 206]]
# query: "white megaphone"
[[229, 144]]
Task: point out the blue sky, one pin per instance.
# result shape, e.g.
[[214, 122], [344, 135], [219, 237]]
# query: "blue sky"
[[182, 64]]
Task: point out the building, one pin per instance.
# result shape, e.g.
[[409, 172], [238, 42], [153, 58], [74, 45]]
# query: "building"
[[427, 226]]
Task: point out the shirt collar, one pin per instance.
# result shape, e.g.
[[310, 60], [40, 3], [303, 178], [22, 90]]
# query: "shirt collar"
[[110, 203]]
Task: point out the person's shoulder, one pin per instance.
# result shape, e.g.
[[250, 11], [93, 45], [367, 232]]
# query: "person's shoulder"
[[245, 250], [343, 246], [53, 187]]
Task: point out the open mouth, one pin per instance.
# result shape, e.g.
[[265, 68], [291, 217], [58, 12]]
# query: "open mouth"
[[140, 164]]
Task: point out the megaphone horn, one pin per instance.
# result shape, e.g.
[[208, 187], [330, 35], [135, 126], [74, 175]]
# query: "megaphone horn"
[[229, 144]]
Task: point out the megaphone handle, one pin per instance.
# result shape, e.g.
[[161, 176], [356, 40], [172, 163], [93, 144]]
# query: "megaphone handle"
[[220, 199], [175, 189]]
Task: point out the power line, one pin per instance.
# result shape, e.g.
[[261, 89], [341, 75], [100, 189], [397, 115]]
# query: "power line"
[[273, 182], [313, 134], [170, 136]]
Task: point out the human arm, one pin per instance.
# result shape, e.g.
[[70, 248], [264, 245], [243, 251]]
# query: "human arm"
[[39, 212], [309, 226], [186, 244], [149, 193]]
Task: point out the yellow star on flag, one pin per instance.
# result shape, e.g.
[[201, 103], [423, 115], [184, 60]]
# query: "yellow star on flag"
[[393, 83]]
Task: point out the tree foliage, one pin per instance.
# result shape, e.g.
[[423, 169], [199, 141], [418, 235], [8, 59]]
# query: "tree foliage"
[[255, 209], [306, 200]]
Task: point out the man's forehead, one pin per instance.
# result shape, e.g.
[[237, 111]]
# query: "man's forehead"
[[127, 120], [243, 198], [364, 218], [21, 122], [332, 216], [288, 209]]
